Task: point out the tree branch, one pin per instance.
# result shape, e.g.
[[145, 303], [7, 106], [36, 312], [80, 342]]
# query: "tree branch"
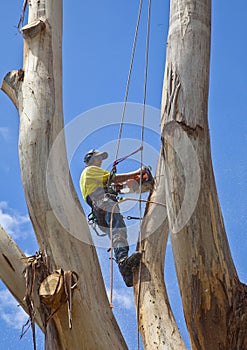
[[33, 29], [12, 265], [11, 85]]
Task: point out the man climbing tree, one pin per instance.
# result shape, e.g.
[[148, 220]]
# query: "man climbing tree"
[[95, 184], [212, 295]]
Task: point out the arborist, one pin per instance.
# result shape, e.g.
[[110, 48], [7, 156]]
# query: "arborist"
[[95, 184]]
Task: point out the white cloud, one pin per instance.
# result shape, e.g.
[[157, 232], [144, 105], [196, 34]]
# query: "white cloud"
[[122, 298], [13, 222], [10, 312], [4, 133]]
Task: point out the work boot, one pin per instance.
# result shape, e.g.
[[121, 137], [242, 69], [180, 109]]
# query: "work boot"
[[126, 266]]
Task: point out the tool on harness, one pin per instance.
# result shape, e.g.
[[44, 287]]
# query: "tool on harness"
[[110, 178], [92, 221], [98, 201]]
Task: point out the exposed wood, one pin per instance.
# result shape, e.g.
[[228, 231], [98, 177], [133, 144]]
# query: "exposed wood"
[[32, 29], [51, 290]]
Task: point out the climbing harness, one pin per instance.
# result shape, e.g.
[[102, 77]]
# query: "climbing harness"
[[114, 166]]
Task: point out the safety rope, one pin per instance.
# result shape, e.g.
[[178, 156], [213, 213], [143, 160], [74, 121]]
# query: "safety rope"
[[141, 164], [129, 77], [119, 160], [113, 171], [21, 20]]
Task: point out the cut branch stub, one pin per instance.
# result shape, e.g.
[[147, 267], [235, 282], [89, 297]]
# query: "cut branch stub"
[[56, 289], [11, 84], [51, 290], [32, 29]]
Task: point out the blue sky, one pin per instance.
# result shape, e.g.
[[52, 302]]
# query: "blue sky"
[[97, 42]]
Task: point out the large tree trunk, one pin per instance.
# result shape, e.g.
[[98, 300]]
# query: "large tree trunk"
[[156, 322], [62, 232], [214, 300]]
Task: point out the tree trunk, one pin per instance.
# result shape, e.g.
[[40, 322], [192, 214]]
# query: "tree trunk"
[[62, 232], [213, 297], [156, 322]]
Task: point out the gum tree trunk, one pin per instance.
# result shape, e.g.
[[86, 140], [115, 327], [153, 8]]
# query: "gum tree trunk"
[[157, 325], [36, 90], [214, 300]]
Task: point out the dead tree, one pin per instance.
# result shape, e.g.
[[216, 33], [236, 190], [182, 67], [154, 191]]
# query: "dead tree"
[[213, 298]]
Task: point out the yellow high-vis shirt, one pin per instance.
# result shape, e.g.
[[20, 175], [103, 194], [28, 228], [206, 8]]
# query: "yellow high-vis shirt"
[[91, 178]]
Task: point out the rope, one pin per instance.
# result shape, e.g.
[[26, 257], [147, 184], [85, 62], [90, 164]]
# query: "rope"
[[119, 160], [21, 20], [141, 149], [129, 77], [111, 257], [141, 164]]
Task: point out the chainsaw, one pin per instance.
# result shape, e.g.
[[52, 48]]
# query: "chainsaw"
[[136, 185]]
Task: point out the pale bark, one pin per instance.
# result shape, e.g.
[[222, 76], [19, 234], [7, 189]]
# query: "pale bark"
[[208, 282], [156, 321], [67, 244], [12, 266]]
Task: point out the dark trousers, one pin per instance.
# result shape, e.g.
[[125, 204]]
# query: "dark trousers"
[[119, 232], [105, 210]]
